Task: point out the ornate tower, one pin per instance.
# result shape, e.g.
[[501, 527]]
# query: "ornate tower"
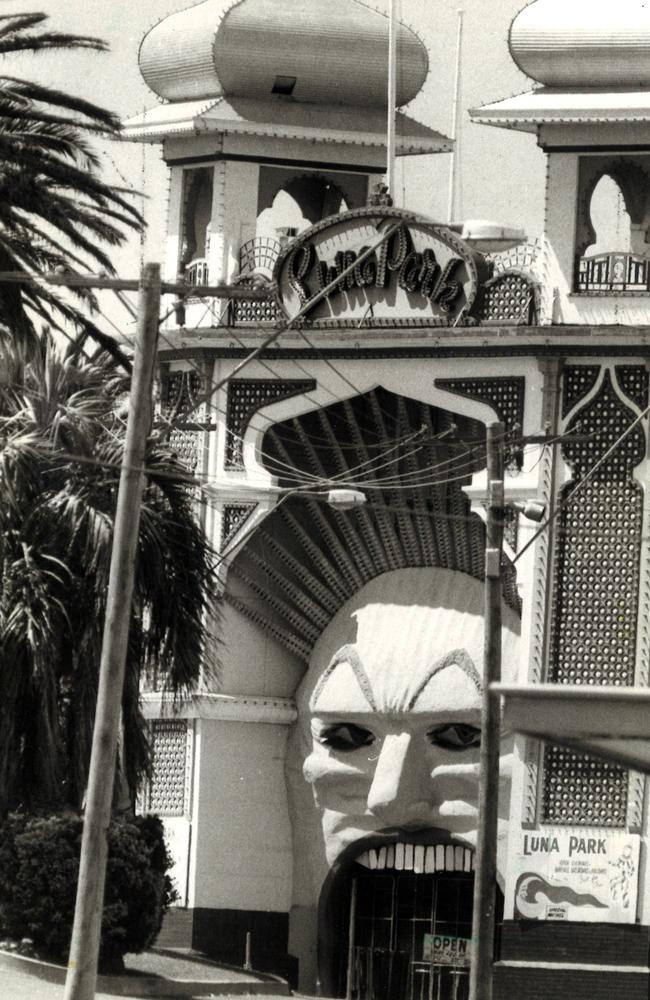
[[255, 116]]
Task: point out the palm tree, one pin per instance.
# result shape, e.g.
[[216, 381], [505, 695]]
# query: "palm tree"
[[56, 213], [61, 441]]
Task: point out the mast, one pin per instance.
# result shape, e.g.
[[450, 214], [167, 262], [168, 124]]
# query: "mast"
[[392, 101], [454, 125]]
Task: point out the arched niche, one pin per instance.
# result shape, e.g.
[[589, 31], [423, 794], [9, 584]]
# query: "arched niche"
[[318, 193], [283, 217], [197, 214], [609, 217], [613, 205]]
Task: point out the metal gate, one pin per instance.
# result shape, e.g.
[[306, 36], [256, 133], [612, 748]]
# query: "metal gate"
[[410, 936]]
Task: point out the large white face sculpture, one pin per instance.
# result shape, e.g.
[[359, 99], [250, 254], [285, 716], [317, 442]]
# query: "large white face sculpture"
[[389, 711]]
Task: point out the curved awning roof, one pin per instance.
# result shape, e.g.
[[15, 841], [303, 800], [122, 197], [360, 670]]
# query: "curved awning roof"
[[286, 120]]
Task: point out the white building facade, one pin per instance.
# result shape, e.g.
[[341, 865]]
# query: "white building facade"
[[322, 794]]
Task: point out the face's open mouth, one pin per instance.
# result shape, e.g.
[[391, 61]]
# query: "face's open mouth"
[[422, 859]]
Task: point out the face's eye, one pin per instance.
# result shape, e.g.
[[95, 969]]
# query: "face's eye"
[[455, 736], [345, 736]]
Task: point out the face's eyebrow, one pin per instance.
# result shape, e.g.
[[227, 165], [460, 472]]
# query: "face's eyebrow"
[[457, 658], [347, 654]]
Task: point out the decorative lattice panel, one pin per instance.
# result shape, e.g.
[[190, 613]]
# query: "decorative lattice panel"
[[259, 256], [185, 444], [234, 518], [595, 606], [633, 380], [506, 396], [245, 397], [180, 392], [511, 527], [578, 381], [524, 257], [167, 788], [253, 312], [581, 791], [509, 299]]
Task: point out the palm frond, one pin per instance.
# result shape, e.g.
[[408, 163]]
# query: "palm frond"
[[55, 209], [61, 444]]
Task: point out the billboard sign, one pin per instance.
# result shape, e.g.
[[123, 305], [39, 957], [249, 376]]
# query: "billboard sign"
[[576, 874]]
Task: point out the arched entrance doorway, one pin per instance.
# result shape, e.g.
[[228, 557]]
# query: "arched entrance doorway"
[[411, 935], [396, 923]]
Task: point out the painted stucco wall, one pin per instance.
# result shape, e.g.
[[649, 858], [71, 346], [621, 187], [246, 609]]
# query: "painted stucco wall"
[[252, 662], [241, 850]]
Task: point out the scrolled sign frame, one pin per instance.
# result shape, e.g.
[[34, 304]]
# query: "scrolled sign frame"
[[424, 275]]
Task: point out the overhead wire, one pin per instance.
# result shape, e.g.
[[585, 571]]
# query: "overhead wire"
[[398, 482], [580, 485], [214, 385], [204, 479], [308, 489], [354, 474]]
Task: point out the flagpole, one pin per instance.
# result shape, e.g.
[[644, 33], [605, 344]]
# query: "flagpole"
[[454, 125], [392, 101]]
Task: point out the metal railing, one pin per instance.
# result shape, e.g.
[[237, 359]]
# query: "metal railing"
[[196, 272], [259, 255], [613, 272], [384, 974]]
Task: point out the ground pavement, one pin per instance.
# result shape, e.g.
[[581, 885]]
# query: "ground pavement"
[[18, 981]]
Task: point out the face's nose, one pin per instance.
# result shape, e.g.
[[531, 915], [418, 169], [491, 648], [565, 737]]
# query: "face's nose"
[[399, 793]]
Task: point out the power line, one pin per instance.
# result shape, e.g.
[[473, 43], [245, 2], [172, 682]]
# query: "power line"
[[583, 482]]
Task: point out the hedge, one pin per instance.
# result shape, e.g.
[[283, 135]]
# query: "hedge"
[[39, 864]]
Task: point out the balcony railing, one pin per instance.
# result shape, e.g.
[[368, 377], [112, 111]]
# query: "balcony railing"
[[614, 272], [196, 272], [258, 256]]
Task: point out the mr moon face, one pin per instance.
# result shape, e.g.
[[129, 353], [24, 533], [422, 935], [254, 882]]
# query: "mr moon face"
[[393, 716]]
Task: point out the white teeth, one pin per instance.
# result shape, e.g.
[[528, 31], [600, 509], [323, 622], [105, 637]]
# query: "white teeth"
[[419, 858]]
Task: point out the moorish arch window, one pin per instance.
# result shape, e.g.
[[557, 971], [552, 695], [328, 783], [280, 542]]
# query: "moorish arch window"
[[290, 201], [307, 558], [195, 224], [609, 218], [613, 225]]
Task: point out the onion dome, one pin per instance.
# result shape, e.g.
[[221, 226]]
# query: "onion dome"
[[584, 43], [316, 51]]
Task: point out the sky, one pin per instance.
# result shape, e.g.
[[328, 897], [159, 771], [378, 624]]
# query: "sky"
[[501, 172]]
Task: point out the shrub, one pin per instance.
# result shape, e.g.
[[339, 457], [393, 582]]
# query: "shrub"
[[39, 864]]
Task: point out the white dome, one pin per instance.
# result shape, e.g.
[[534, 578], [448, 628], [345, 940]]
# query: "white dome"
[[584, 43], [335, 51]]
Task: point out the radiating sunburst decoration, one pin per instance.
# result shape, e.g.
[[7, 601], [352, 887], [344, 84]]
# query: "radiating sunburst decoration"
[[307, 558]]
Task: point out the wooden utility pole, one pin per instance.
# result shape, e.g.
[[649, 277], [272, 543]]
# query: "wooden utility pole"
[[81, 978], [480, 983]]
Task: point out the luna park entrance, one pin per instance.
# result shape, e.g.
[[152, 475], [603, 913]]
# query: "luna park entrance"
[[410, 932]]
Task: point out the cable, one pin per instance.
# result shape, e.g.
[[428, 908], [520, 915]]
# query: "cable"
[[582, 483], [353, 475]]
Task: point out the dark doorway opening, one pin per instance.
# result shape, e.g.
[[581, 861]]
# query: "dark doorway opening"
[[395, 921], [410, 935]]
